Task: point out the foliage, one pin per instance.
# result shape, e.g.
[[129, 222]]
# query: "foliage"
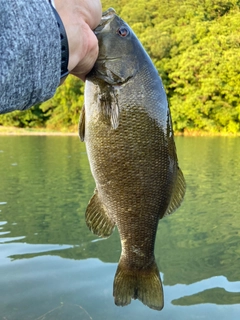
[[33, 117], [195, 47], [64, 108]]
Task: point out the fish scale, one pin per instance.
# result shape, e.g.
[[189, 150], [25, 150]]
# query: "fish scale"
[[126, 125]]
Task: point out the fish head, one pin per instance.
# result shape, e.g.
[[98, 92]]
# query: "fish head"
[[119, 50]]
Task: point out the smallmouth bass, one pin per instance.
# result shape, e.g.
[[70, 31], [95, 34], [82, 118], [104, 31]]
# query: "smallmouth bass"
[[126, 125]]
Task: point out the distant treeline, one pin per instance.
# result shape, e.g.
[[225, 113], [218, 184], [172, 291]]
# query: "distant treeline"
[[195, 45]]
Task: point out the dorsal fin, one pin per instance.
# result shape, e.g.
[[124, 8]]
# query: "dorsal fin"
[[177, 194]]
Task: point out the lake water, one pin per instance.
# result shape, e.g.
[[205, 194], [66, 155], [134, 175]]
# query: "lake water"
[[53, 267]]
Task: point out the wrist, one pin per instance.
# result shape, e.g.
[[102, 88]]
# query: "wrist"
[[64, 43]]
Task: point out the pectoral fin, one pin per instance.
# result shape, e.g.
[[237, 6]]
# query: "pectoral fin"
[[97, 218], [177, 194], [110, 107], [81, 126], [114, 112]]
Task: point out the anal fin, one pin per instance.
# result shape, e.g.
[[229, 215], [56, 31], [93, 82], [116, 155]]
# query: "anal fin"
[[97, 218], [178, 193]]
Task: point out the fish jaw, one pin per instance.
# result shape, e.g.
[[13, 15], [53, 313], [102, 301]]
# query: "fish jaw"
[[119, 57], [107, 16]]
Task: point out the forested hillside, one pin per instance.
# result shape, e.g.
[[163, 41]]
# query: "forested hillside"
[[195, 45]]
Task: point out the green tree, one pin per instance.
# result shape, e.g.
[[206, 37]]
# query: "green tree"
[[30, 118], [64, 108], [195, 47]]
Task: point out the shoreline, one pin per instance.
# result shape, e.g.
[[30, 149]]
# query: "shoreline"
[[14, 131]]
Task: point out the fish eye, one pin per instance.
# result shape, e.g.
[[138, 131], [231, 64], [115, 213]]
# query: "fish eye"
[[123, 31]]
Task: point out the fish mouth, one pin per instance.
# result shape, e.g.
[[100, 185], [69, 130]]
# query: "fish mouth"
[[107, 16], [103, 59]]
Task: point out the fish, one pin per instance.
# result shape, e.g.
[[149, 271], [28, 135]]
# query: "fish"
[[127, 128]]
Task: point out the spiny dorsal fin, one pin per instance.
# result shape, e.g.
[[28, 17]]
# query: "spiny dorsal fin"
[[81, 126], [178, 193], [97, 218]]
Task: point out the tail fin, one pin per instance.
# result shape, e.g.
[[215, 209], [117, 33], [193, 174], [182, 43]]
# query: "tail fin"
[[144, 285]]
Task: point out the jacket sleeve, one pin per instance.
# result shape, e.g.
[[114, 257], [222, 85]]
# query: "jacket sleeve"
[[30, 54]]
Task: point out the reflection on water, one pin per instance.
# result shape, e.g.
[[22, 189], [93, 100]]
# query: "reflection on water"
[[52, 267]]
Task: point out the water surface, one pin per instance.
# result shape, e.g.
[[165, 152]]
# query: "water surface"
[[53, 267]]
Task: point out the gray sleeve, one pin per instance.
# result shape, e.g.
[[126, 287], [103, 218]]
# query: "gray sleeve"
[[30, 54]]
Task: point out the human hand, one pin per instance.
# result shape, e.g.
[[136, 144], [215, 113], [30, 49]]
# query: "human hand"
[[79, 18]]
